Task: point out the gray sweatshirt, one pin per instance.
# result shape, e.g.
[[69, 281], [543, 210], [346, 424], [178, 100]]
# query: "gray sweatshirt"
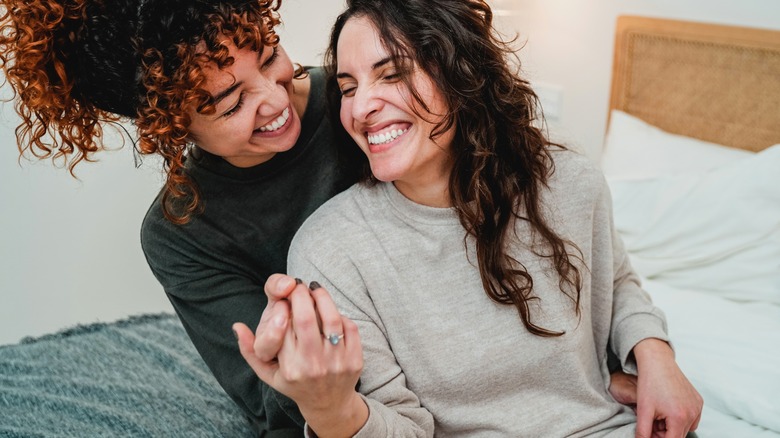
[[441, 358]]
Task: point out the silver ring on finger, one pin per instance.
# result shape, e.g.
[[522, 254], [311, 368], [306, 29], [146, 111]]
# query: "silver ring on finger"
[[334, 338]]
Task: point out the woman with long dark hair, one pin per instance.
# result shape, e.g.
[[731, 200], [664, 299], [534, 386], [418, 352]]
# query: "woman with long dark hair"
[[477, 280]]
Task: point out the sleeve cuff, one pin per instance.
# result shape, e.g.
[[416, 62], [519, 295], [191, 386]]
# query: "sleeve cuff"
[[633, 330]]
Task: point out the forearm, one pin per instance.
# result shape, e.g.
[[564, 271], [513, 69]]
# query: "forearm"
[[209, 329], [634, 317]]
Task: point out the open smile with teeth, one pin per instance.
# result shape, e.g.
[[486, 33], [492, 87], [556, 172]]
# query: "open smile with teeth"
[[386, 137], [278, 123]]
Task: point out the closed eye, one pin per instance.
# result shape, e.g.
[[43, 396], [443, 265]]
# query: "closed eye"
[[348, 92], [392, 76], [268, 62], [236, 107]]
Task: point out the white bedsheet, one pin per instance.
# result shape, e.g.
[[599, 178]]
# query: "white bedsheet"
[[715, 424], [731, 353], [703, 222]]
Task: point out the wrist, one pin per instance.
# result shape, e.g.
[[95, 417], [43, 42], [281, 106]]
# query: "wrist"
[[343, 420], [652, 349]]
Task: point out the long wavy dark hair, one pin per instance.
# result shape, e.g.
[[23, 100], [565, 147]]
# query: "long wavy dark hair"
[[502, 158], [77, 65]]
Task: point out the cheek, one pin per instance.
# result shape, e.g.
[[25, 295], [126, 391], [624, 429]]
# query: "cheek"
[[286, 68], [287, 73], [239, 123], [431, 95], [345, 115]]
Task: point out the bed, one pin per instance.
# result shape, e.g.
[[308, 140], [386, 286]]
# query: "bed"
[[695, 110], [137, 377], [692, 157]]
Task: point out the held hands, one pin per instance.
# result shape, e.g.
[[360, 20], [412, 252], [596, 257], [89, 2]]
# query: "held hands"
[[306, 350], [667, 404]]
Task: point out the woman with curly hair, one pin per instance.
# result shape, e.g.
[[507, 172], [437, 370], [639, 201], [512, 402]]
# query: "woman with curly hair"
[[474, 281], [247, 147]]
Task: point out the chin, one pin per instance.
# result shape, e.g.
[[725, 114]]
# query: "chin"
[[382, 173], [289, 139]]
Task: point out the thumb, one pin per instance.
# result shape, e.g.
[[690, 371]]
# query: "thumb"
[[246, 341], [278, 287], [271, 331]]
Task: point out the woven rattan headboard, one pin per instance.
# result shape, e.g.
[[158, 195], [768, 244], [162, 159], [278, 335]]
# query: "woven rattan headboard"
[[712, 82]]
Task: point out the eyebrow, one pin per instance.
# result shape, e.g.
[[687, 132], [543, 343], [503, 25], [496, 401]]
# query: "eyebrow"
[[376, 65], [225, 93], [221, 96]]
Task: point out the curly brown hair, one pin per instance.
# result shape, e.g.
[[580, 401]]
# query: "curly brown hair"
[[502, 158], [30, 32], [76, 65]]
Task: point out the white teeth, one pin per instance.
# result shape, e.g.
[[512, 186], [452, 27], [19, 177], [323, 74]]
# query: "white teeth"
[[278, 123], [386, 137]]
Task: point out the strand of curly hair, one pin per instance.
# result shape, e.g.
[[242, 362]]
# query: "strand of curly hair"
[[53, 124]]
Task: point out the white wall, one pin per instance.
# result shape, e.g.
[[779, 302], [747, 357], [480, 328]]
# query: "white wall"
[[570, 47], [69, 250], [306, 28]]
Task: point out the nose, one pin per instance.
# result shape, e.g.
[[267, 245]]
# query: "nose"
[[272, 97], [366, 103]]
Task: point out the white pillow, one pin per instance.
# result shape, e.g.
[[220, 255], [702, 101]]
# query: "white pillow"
[[727, 350], [717, 231], [635, 149]]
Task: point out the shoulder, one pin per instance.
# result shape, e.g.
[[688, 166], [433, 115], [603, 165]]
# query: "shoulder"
[[340, 220], [159, 236], [332, 240], [574, 172], [172, 251], [316, 126], [154, 227], [317, 75], [314, 80], [339, 213], [571, 163]]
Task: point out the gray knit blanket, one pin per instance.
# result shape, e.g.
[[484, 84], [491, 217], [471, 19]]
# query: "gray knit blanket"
[[139, 377]]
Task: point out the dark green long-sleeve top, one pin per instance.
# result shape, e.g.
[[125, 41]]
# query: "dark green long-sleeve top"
[[213, 268]]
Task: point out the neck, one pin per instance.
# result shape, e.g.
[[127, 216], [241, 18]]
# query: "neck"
[[433, 191]]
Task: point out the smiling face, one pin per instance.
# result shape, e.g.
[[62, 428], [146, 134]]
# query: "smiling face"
[[381, 115], [255, 117]]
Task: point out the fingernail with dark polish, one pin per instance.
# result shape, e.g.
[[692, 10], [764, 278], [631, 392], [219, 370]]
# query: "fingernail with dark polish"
[[314, 285], [298, 281]]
